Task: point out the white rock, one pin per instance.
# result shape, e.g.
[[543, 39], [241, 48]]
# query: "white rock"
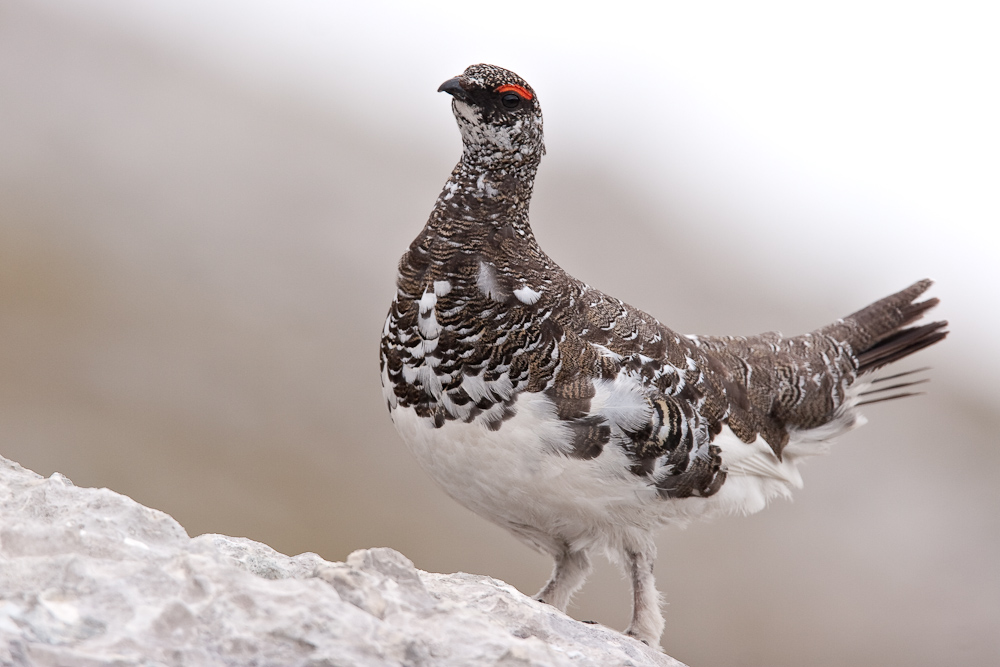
[[90, 577]]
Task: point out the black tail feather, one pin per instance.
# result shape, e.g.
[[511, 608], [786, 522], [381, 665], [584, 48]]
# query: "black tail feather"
[[915, 311], [899, 344], [885, 378], [891, 387], [891, 398], [879, 393]]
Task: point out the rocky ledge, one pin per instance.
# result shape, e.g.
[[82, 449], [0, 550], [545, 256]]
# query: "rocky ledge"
[[90, 577]]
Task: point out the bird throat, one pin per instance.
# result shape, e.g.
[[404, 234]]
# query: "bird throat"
[[491, 193]]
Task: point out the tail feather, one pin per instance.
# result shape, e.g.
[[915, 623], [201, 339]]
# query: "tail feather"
[[891, 387], [880, 333], [875, 391], [806, 388], [889, 398], [900, 344], [915, 311], [895, 376]]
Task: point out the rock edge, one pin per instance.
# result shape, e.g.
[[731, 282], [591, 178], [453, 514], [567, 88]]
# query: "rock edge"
[[90, 577]]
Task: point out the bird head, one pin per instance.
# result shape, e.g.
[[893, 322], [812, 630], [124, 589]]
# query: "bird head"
[[497, 113]]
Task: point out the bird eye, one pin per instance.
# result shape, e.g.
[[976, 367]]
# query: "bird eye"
[[510, 100]]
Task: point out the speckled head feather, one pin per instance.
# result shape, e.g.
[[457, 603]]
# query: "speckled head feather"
[[498, 114]]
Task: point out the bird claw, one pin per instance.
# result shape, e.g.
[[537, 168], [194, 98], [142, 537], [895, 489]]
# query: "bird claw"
[[629, 633]]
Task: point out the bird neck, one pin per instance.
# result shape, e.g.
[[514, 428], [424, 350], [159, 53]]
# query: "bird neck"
[[493, 192]]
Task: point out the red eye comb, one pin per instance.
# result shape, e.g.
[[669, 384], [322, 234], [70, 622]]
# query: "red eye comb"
[[513, 88]]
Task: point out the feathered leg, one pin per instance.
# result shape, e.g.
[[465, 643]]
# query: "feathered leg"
[[570, 571], [647, 621]]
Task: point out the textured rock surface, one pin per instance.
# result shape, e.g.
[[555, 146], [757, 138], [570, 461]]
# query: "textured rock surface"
[[90, 577]]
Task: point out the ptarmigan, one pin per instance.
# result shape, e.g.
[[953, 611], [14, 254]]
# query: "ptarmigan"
[[574, 420]]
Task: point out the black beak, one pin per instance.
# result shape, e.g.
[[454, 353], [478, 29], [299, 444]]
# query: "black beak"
[[454, 88]]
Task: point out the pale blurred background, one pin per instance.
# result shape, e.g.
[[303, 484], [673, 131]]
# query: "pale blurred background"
[[202, 203]]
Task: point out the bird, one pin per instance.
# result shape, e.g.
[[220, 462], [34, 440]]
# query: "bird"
[[580, 423]]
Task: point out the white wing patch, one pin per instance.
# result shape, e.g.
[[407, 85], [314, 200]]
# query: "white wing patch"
[[427, 302], [427, 320], [527, 296], [486, 281], [622, 403]]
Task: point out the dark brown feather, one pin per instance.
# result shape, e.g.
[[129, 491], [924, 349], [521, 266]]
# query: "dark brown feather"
[[891, 387], [900, 344], [891, 398], [886, 378]]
